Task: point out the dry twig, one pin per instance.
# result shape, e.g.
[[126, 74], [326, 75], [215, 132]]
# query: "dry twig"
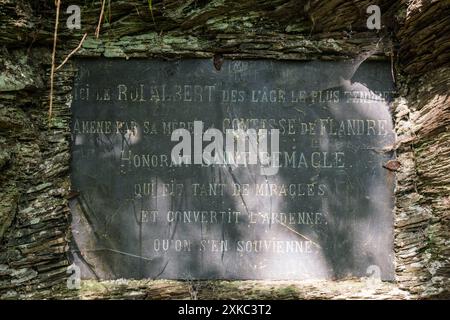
[[52, 72]]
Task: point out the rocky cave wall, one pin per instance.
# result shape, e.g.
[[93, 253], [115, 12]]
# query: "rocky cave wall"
[[35, 152]]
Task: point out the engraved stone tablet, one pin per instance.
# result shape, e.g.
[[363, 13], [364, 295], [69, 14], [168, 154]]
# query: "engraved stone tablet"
[[260, 170]]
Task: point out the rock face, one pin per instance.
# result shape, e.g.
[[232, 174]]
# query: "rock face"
[[35, 154], [34, 165]]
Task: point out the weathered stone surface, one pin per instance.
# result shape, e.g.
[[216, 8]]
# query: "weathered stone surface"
[[5, 157], [17, 72], [18, 22], [33, 214], [350, 229], [423, 36], [422, 123], [8, 206]]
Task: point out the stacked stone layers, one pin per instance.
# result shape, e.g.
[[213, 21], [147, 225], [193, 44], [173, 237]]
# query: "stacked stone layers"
[[422, 121]]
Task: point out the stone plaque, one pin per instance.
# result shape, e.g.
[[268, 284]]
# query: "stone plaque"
[[254, 169]]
